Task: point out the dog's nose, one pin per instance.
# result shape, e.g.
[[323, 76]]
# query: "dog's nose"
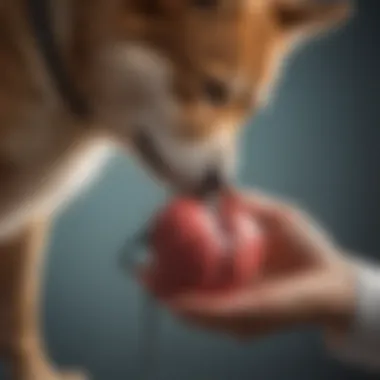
[[212, 182]]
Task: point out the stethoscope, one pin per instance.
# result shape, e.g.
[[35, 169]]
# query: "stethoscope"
[[133, 254]]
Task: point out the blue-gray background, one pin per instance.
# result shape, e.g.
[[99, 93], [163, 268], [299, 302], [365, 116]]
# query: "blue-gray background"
[[319, 143]]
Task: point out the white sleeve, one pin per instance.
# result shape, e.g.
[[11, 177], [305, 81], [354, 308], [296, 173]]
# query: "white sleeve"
[[361, 345]]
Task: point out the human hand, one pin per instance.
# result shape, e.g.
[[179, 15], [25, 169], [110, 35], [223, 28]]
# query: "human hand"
[[306, 280]]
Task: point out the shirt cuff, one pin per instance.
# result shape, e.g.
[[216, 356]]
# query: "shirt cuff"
[[361, 344]]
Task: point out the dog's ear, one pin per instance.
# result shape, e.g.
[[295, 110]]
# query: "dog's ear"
[[308, 17]]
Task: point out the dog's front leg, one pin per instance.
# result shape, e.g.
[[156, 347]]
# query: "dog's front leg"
[[21, 272]]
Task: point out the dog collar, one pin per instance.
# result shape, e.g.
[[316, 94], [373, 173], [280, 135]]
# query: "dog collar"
[[39, 15]]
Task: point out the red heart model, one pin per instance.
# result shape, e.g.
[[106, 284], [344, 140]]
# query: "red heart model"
[[196, 247]]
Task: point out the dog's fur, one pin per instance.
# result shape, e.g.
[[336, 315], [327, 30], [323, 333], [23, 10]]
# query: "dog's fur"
[[184, 74]]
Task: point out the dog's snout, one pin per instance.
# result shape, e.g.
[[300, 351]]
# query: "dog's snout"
[[198, 170], [212, 182]]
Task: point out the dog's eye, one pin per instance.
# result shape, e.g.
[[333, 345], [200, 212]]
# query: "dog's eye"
[[204, 4], [216, 92]]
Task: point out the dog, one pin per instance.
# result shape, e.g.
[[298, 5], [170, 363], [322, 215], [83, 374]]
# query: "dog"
[[169, 81]]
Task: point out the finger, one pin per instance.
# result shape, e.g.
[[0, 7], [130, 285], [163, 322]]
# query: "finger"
[[264, 199], [257, 201], [274, 209], [267, 209], [211, 304], [293, 224], [292, 300], [243, 318], [242, 328], [215, 316]]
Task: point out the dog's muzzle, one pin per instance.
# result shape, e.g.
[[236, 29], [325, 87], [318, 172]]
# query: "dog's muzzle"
[[212, 181]]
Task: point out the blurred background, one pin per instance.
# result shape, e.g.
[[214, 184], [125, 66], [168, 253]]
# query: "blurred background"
[[318, 143]]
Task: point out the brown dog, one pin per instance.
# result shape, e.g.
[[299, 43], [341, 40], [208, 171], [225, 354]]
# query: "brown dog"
[[170, 80]]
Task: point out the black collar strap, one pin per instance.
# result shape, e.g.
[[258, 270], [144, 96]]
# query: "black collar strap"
[[39, 14]]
